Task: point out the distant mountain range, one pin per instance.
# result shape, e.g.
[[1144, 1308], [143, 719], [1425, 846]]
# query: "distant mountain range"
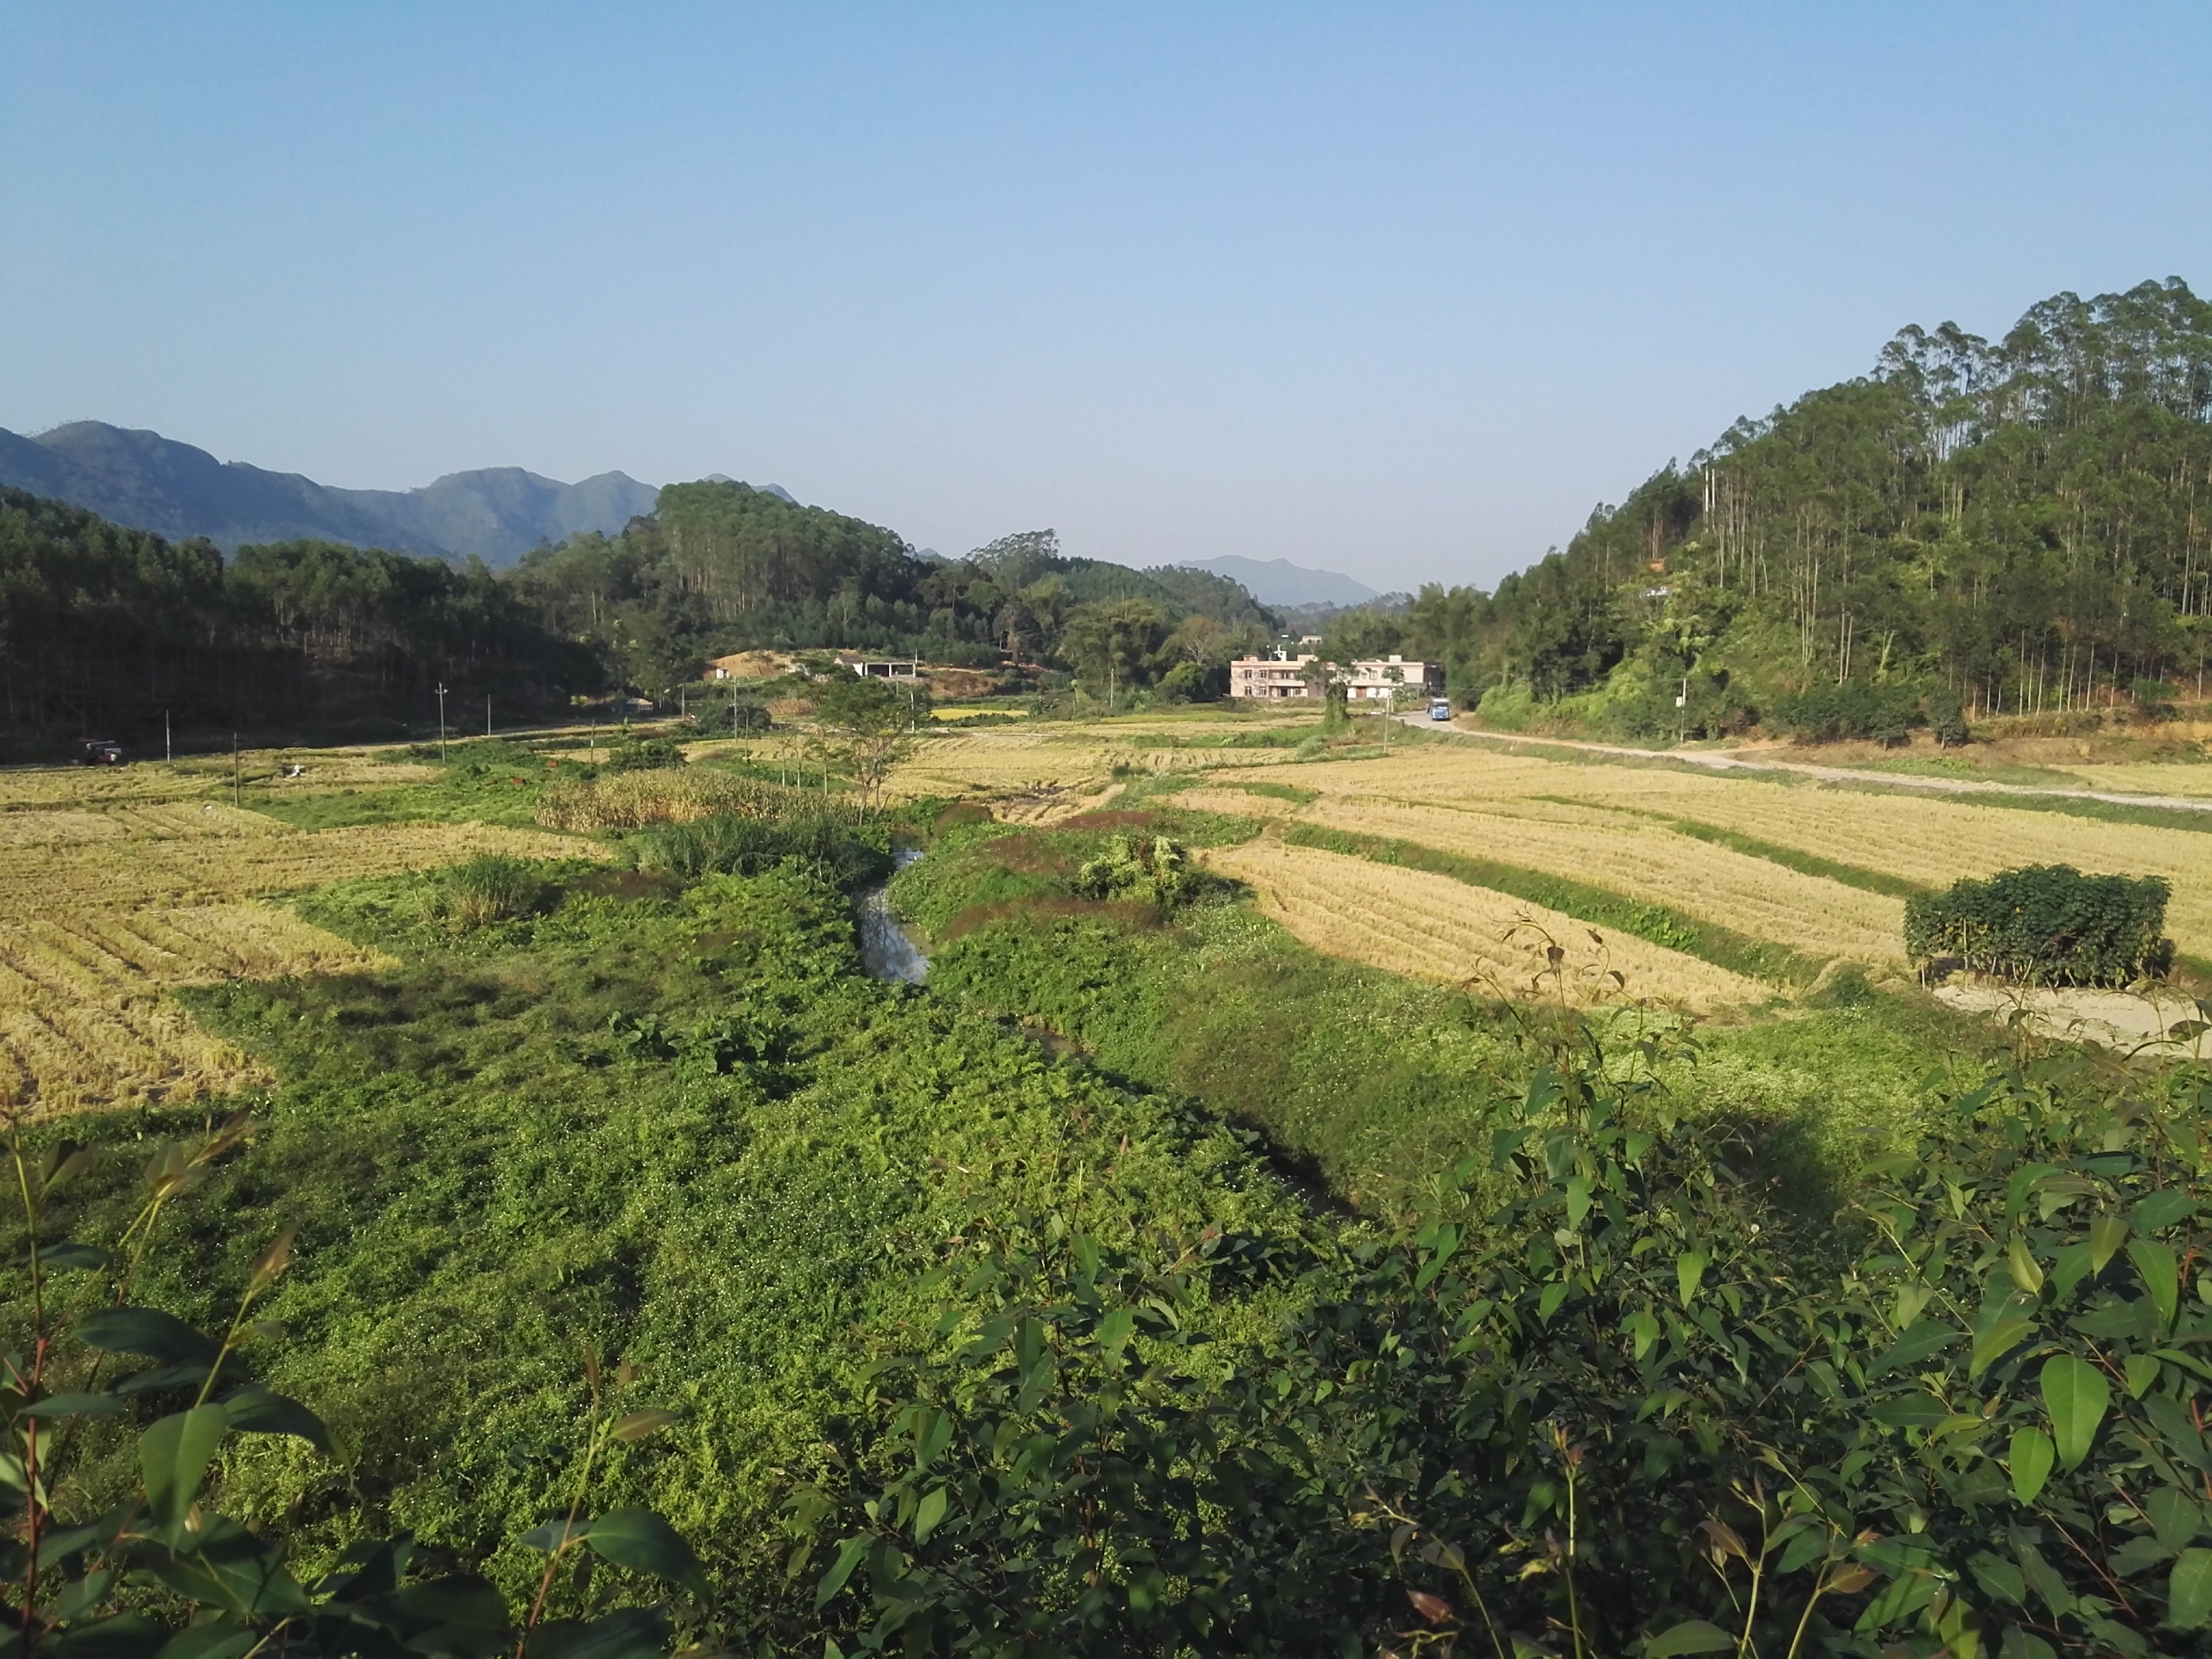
[[1277, 581], [152, 482]]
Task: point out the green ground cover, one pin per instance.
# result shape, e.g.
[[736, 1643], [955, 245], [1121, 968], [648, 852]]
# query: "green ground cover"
[[486, 780], [1374, 1083], [668, 1121]]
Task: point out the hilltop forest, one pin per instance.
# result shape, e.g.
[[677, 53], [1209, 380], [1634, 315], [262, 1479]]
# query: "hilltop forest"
[[114, 631], [2022, 526]]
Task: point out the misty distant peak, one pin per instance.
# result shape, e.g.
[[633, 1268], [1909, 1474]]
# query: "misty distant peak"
[[777, 490], [1277, 581], [143, 479]]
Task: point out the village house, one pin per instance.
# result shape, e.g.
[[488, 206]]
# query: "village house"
[[880, 668], [1368, 680]]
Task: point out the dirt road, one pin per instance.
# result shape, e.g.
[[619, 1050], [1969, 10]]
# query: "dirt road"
[[1722, 760]]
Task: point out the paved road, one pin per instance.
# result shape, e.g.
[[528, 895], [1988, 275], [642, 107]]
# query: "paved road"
[[1722, 760]]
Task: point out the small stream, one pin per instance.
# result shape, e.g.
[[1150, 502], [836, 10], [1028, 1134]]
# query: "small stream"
[[886, 950]]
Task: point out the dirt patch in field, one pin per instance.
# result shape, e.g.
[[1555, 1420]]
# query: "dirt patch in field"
[[1026, 855], [625, 885], [1124, 820], [1121, 914], [2111, 1019], [961, 682]]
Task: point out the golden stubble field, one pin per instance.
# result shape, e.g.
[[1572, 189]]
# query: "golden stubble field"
[[1625, 827], [118, 887], [1932, 839], [1430, 927]]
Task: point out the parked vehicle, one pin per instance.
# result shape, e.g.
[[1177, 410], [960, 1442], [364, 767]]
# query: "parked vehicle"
[[1440, 709], [100, 751]]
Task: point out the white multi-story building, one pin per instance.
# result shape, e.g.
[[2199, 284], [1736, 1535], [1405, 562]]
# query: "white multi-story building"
[[1371, 680]]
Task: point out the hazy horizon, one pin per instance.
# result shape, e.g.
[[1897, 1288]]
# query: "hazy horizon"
[[1400, 292]]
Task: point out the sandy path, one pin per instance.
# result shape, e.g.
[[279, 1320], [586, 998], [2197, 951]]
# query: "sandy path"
[[1721, 762]]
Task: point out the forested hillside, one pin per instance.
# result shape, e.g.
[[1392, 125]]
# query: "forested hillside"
[[2025, 525], [721, 566], [113, 632], [105, 631]]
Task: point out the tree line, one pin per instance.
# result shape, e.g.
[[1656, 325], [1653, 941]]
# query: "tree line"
[[115, 632], [2024, 526], [720, 566]]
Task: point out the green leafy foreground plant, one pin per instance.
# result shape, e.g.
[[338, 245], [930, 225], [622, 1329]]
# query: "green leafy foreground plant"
[[163, 1572], [1632, 1411]]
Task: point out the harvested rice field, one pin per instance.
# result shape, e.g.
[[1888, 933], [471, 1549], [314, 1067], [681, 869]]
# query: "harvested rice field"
[[1431, 926], [117, 887], [1012, 761], [1648, 861], [1818, 869], [110, 897], [1460, 792]]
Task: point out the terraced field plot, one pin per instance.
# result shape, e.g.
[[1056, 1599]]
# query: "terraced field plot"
[[1928, 839], [1433, 928], [1647, 861], [1012, 761], [108, 903]]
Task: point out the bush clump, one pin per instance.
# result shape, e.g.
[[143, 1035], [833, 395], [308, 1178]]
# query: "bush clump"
[[729, 845], [1139, 867], [629, 753], [2046, 924], [1947, 718], [492, 887], [1857, 708]]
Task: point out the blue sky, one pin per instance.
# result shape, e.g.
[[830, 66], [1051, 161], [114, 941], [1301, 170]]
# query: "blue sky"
[[1401, 290]]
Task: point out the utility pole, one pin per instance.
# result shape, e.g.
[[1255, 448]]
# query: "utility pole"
[[441, 722], [236, 783], [487, 714], [168, 748]]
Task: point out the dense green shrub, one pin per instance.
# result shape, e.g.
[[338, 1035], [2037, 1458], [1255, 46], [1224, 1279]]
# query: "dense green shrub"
[[1947, 718], [1857, 708], [2045, 925], [2154, 699], [630, 753]]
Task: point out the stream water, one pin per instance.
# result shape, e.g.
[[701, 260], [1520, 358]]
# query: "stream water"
[[886, 950]]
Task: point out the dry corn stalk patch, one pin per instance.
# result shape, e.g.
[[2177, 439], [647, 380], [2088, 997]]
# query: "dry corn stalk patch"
[[1431, 926], [630, 801]]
